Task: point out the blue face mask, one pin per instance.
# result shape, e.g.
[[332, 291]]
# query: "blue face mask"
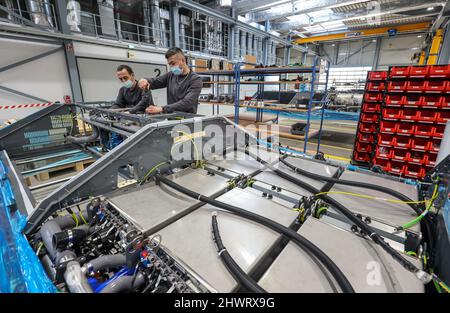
[[128, 84], [176, 70]]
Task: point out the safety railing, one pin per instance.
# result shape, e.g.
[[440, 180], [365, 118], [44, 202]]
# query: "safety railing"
[[40, 13]]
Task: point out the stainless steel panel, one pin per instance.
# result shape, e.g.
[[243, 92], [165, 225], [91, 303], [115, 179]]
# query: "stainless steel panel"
[[190, 240], [367, 266], [391, 213], [150, 208], [239, 162]]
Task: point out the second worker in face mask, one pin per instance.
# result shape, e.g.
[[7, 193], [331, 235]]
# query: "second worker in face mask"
[[130, 95], [183, 85]]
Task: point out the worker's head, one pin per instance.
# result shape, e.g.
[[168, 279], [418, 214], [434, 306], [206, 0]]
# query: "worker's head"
[[177, 61], [126, 76]]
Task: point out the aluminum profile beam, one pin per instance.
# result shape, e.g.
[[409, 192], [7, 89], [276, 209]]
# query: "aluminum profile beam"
[[188, 4]]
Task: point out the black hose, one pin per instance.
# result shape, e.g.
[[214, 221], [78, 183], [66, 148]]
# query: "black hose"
[[394, 193], [347, 213], [235, 270], [299, 240]]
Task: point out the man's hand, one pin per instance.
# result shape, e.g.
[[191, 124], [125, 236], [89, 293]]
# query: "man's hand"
[[153, 109], [144, 84]]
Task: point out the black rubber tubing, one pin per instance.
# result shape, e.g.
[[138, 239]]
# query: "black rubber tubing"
[[394, 193], [235, 270], [299, 240], [344, 211]]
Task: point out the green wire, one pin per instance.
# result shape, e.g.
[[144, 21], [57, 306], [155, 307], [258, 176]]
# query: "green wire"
[[320, 210], [421, 216], [151, 171], [411, 253]]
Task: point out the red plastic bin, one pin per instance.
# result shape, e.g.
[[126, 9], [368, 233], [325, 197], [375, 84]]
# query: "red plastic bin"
[[424, 130], [399, 71], [430, 159], [369, 117], [361, 156], [388, 127], [392, 114], [378, 75], [397, 168], [432, 101], [402, 142], [440, 71], [367, 138], [404, 128], [397, 86], [395, 100], [409, 115], [435, 86], [367, 127], [371, 107], [373, 97], [376, 86], [427, 116], [414, 171], [386, 140], [443, 117], [384, 153], [433, 145], [420, 144], [383, 163], [413, 100], [445, 102], [416, 86], [401, 155], [416, 157], [363, 147], [438, 131], [419, 71]]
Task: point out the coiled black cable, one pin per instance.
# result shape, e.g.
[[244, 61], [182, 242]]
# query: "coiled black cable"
[[299, 240], [239, 275], [344, 211]]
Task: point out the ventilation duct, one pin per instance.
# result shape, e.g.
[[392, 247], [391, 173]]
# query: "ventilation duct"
[[106, 11], [40, 12]]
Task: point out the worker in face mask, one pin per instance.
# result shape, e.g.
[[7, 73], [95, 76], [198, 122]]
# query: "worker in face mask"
[[183, 85], [130, 95]]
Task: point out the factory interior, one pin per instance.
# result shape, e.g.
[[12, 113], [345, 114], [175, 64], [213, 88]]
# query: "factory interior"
[[224, 146]]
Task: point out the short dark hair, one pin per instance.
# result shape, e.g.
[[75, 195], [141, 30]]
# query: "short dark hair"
[[125, 67], [173, 51]]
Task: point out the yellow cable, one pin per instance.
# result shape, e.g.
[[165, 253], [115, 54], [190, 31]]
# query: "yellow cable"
[[193, 143], [367, 197], [75, 218], [82, 217]]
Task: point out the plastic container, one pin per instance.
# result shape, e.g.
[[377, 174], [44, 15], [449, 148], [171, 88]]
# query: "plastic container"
[[430, 159], [419, 71], [416, 157], [388, 127], [413, 100], [402, 142], [392, 114], [363, 147], [377, 75], [404, 128], [424, 130], [399, 71], [414, 171], [439, 131], [369, 117], [386, 140], [445, 102], [400, 155], [361, 156], [397, 168], [433, 145], [373, 97], [376, 86], [395, 100], [420, 144], [427, 116], [442, 71], [383, 163], [366, 138], [443, 117], [416, 86], [371, 108], [409, 115], [432, 101], [397, 86], [435, 86], [384, 153], [367, 127]]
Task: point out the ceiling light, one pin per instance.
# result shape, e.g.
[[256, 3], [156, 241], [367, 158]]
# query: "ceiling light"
[[415, 48], [430, 9], [419, 36], [333, 44], [225, 3]]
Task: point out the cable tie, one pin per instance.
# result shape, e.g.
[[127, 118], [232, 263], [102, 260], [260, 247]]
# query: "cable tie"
[[372, 235], [221, 251], [199, 196]]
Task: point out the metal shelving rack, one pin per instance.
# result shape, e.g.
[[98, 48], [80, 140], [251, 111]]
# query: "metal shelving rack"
[[237, 73]]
